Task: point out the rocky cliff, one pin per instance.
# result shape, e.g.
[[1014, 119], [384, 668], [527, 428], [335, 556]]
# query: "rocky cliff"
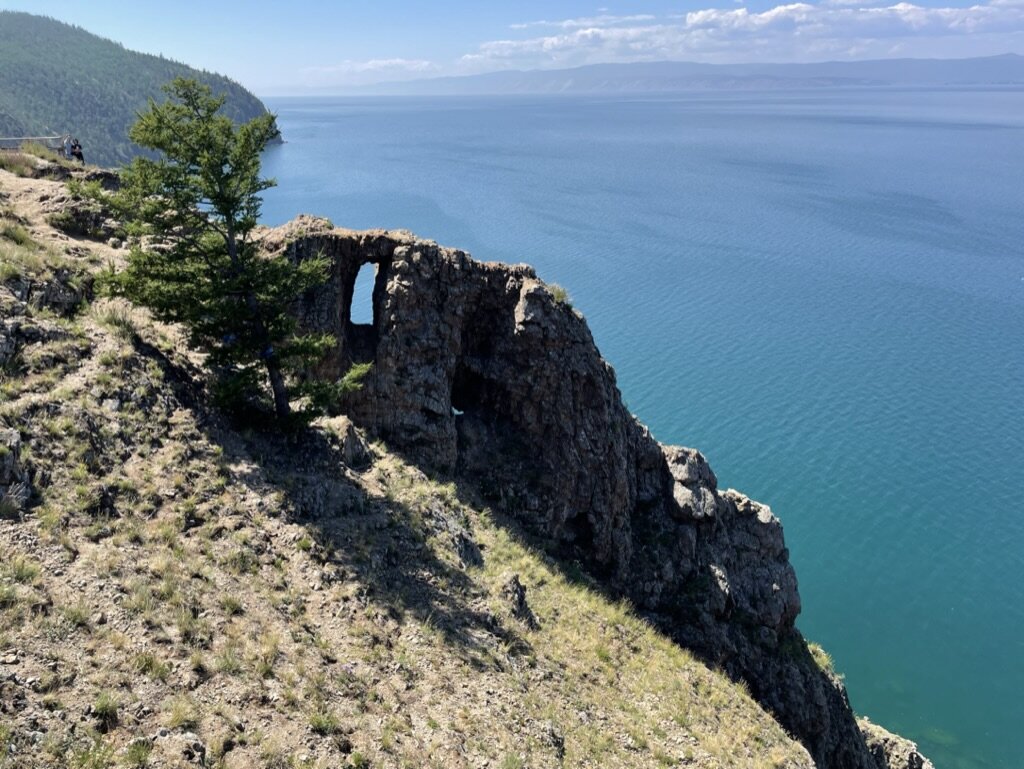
[[176, 592], [481, 371]]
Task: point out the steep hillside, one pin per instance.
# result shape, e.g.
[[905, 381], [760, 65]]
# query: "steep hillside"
[[59, 78], [175, 591]]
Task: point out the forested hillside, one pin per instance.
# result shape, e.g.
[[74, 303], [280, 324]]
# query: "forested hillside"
[[56, 78]]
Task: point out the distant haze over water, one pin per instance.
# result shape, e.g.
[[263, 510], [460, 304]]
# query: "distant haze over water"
[[674, 76], [823, 290]]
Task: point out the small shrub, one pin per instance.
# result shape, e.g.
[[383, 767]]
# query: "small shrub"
[[323, 722], [197, 663], [105, 710], [8, 597], [24, 570], [228, 660], [150, 665], [352, 381], [48, 682], [77, 615], [42, 151], [19, 261], [97, 755], [137, 753], [267, 656], [181, 712], [119, 316], [63, 221], [242, 561], [821, 658], [17, 235], [560, 295], [231, 606], [274, 756], [16, 163]]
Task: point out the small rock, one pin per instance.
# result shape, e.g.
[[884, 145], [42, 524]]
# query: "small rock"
[[515, 593]]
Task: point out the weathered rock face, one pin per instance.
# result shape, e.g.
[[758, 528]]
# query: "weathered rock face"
[[890, 750], [14, 490], [480, 371], [62, 293]]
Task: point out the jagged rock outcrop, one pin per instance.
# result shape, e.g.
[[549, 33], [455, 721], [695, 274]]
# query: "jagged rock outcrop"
[[83, 217], [890, 750], [63, 293], [14, 480], [479, 370]]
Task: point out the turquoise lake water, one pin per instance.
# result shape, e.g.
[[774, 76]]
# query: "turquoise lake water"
[[821, 290]]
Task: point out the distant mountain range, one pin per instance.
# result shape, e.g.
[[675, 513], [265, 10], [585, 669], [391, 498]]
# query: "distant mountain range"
[[667, 76], [57, 78]]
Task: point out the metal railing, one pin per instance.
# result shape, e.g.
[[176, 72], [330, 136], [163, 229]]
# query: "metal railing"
[[13, 143]]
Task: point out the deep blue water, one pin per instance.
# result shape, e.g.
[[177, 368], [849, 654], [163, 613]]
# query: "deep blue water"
[[821, 290]]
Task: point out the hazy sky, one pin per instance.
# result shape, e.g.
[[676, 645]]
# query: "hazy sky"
[[298, 46]]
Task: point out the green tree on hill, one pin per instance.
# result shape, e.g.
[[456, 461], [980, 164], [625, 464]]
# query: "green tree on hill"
[[196, 207]]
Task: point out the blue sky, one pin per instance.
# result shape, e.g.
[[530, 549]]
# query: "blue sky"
[[302, 46]]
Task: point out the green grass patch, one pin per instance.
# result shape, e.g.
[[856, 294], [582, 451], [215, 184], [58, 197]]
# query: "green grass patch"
[[105, 709], [17, 235], [17, 163], [181, 713], [150, 665], [323, 722], [560, 295]]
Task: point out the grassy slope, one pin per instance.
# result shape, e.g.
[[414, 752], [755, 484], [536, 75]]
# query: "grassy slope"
[[282, 609], [59, 78]]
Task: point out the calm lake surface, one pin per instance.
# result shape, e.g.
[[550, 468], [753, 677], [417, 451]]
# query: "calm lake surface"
[[821, 290]]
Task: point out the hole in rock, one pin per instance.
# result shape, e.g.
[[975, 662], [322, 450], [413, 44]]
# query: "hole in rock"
[[361, 313], [362, 297], [467, 391]]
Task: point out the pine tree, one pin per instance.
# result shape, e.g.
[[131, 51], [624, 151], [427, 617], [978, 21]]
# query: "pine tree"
[[195, 208]]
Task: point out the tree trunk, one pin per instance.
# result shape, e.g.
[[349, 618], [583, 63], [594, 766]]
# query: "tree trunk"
[[281, 406]]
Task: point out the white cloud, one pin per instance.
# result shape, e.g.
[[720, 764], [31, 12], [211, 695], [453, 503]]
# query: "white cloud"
[[851, 3], [796, 31], [592, 21]]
